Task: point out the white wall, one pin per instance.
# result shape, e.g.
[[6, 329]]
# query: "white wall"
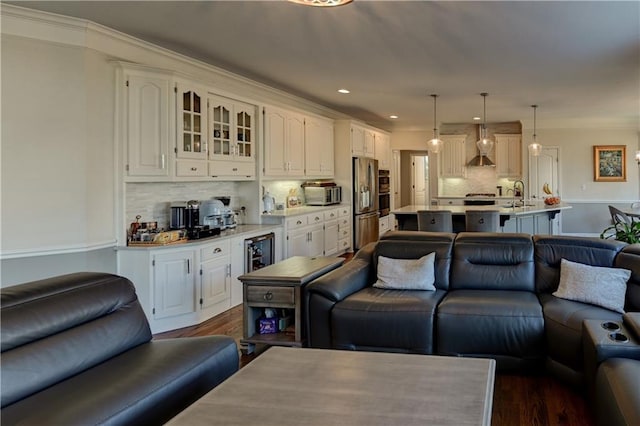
[[57, 150]]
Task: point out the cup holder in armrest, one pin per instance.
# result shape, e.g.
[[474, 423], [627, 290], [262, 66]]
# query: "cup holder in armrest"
[[618, 337], [611, 326]]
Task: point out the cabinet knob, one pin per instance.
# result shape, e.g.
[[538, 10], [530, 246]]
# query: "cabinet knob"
[[217, 250], [268, 296]]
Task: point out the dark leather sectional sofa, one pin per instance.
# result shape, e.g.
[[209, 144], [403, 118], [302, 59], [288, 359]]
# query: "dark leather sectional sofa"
[[77, 350], [493, 298]]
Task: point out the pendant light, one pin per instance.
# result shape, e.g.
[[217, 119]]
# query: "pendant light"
[[484, 144], [534, 148], [434, 144]]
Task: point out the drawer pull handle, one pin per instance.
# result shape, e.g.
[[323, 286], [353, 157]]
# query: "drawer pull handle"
[[268, 296], [299, 222], [193, 169], [217, 250]]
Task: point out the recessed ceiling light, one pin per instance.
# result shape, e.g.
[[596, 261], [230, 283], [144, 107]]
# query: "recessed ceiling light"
[[393, 116], [322, 3], [477, 118], [343, 91]]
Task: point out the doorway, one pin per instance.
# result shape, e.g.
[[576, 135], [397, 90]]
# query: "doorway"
[[545, 168], [419, 180]]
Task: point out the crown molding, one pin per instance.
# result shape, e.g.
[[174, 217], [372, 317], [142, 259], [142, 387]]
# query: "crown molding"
[[60, 29]]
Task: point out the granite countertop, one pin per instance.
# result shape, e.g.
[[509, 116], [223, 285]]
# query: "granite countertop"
[[296, 211], [531, 208], [239, 230]]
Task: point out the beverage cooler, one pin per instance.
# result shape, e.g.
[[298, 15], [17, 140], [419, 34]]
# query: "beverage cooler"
[[259, 252]]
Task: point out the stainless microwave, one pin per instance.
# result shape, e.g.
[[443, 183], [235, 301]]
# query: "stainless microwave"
[[322, 195]]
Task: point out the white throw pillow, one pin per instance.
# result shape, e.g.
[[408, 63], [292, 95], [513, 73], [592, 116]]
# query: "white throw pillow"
[[406, 274], [597, 285]]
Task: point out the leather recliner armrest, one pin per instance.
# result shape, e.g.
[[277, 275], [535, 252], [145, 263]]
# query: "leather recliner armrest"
[[324, 292]]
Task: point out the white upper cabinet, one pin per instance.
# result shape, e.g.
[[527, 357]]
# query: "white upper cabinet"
[[231, 136], [452, 157], [362, 142], [383, 150], [146, 122], [508, 155], [283, 143], [191, 121], [318, 143]]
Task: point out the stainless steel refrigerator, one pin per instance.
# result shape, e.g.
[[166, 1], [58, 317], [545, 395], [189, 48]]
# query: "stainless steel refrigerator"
[[365, 201]]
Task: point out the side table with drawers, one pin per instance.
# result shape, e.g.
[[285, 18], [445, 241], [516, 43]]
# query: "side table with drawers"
[[280, 286]]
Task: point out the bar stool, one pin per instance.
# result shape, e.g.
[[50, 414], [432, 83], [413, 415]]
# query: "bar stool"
[[435, 220], [482, 220]]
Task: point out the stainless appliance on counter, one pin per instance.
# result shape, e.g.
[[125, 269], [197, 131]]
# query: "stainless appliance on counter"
[[188, 216], [259, 252], [365, 201], [322, 193], [217, 213]]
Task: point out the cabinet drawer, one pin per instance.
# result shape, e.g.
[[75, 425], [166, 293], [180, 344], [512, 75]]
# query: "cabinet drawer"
[[188, 168], [212, 251], [296, 222], [231, 168], [344, 233], [315, 218], [344, 244], [331, 214], [344, 211], [343, 223], [265, 295]]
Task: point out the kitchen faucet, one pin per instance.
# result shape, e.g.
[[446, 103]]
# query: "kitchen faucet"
[[514, 192]]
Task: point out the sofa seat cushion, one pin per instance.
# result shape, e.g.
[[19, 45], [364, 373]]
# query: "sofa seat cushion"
[[563, 324], [502, 323], [617, 394], [390, 320], [130, 388]]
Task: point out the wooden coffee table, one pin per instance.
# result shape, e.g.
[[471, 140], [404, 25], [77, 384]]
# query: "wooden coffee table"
[[285, 386]]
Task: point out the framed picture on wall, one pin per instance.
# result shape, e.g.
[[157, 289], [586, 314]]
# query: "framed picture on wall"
[[609, 163]]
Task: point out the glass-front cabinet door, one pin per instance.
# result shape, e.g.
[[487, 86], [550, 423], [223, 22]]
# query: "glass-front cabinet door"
[[245, 118], [220, 128], [231, 129], [191, 125]]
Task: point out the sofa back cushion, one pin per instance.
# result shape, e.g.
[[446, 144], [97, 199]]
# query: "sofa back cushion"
[[629, 258], [492, 261], [551, 249], [61, 326], [414, 245]]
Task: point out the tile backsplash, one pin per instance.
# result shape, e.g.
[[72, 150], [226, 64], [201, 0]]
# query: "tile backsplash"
[[478, 180], [152, 200]]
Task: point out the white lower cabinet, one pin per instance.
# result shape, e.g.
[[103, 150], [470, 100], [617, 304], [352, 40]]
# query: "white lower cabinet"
[[173, 284], [215, 276], [326, 233], [383, 225], [180, 287]]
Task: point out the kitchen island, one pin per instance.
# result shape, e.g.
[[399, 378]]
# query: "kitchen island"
[[532, 218]]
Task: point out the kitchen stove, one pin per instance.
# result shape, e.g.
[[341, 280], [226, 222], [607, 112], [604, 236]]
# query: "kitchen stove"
[[475, 199]]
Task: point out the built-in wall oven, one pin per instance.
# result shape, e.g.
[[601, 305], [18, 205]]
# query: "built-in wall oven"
[[384, 192]]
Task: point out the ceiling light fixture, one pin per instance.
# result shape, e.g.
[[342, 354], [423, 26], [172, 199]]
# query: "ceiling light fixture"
[[484, 144], [434, 144], [343, 91], [393, 117], [322, 3], [534, 148]]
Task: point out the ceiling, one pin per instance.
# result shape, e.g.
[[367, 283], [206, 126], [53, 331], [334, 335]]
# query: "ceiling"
[[579, 61]]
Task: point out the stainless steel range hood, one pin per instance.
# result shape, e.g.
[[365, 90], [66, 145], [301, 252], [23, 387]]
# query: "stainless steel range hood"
[[480, 160]]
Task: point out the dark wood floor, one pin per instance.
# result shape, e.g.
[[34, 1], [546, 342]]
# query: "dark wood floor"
[[518, 400]]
